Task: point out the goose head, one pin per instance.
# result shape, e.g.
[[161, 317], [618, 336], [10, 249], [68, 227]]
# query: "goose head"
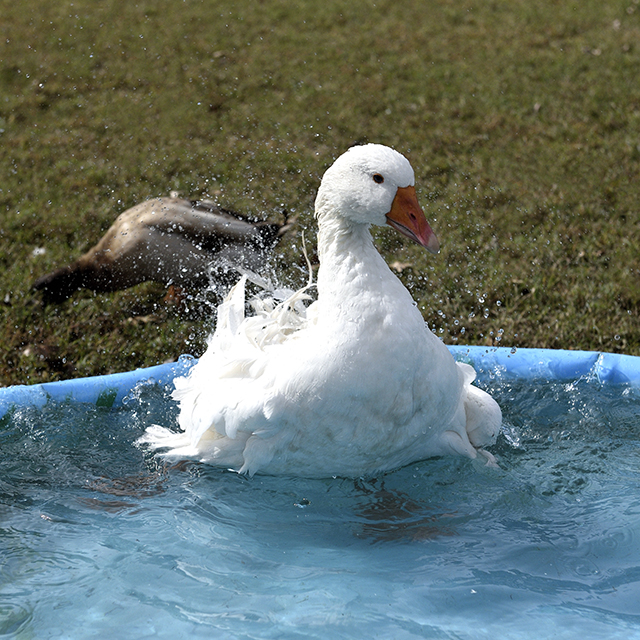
[[374, 185]]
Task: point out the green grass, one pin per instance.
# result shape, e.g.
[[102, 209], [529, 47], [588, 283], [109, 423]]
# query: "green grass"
[[521, 119]]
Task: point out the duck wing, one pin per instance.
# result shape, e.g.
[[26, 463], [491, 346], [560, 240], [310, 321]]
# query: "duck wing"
[[483, 414], [232, 425], [202, 222]]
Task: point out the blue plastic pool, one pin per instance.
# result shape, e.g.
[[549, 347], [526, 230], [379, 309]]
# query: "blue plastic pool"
[[99, 539]]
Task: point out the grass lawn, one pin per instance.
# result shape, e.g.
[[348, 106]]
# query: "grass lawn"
[[521, 119]]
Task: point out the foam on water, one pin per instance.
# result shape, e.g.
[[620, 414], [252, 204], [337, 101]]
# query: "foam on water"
[[97, 537]]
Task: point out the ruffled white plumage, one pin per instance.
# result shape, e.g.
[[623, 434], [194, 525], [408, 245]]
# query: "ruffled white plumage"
[[352, 385]]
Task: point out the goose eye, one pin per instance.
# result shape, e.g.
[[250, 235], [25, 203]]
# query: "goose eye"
[[378, 178]]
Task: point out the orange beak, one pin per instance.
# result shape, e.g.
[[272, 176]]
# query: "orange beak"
[[407, 217]]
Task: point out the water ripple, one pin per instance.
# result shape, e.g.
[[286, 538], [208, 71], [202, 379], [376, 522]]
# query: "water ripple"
[[14, 619]]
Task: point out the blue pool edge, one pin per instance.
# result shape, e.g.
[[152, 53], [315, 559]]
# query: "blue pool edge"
[[504, 362]]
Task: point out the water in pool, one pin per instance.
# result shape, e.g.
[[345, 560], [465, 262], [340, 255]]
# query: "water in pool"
[[99, 539]]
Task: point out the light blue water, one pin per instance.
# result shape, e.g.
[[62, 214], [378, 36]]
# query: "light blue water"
[[98, 539]]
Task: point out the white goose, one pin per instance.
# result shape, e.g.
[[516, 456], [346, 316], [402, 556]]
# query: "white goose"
[[352, 386]]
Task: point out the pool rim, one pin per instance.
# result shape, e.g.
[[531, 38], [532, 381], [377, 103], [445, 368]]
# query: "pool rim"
[[513, 363]]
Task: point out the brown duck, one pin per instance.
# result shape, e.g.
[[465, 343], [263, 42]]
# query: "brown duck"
[[172, 241]]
